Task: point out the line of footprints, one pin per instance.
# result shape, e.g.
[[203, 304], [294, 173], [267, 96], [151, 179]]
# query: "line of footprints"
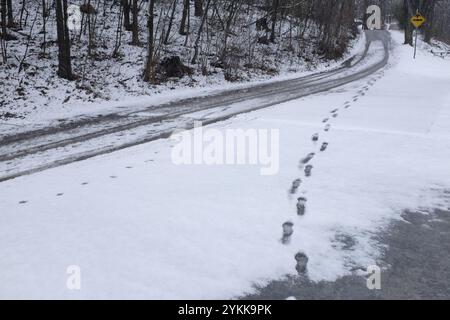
[[305, 164], [85, 183]]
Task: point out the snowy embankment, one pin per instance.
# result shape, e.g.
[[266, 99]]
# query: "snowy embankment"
[[139, 226], [53, 114], [32, 92]]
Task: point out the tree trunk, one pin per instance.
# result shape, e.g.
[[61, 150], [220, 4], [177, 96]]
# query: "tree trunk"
[[90, 30], [198, 8], [118, 41], [232, 9], [149, 75], [172, 16], [200, 30], [64, 63], [3, 35], [408, 26], [275, 5], [22, 10], [44, 22], [184, 17], [126, 15], [383, 13], [3, 21], [135, 26], [10, 14]]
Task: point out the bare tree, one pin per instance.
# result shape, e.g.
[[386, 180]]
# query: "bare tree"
[[408, 11], [232, 10], [89, 10], [44, 25], [64, 60], [172, 17], [11, 23], [149, 72], [118, 40], [198, 4], [200, 30], [3, 10], [135, 26], [184, 18], [126, 14], [4, 34], [441, 21], [275, 7]]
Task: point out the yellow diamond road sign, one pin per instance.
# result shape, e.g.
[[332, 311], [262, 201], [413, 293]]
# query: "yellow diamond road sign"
[[418, 20]]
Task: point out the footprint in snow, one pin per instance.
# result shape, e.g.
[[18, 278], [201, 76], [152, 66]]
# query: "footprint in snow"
[[335, 115], [301, 206], [59, 194], [85, 183], [325, 120], [327, 127], [335, 111], [23, 202], [315, 137], [288, 231], [308, 170], [295, 185], [302, 263], [324, 146], [307, 159]]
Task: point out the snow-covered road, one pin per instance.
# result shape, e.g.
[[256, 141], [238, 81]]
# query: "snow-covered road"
[[32, 150], [139, 226]]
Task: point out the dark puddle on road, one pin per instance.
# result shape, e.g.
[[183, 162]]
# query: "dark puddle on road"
[[415, 265]]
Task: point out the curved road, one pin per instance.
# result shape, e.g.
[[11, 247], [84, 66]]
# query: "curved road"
[[34, 151]]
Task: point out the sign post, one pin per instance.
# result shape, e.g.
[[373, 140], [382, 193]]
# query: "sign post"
[[418, 20]]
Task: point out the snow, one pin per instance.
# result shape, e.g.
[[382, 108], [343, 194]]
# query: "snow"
[[143, 227]]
